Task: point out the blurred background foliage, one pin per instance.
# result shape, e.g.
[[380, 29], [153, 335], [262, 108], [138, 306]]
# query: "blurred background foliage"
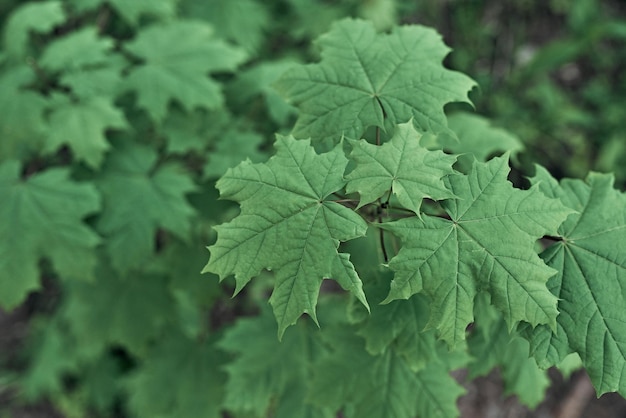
[[551, 72]]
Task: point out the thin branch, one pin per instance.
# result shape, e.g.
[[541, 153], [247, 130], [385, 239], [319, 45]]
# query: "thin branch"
[[381, 237]]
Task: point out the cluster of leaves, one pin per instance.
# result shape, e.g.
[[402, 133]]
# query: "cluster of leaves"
[[118, 118]]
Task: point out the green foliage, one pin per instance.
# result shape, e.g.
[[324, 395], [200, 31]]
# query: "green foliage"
[[363, 80], [589, 255], [43, 215], [298, 237], [135, 133]]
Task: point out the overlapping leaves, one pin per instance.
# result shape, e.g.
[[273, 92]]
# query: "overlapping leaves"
[[487, 243], [402, 167]]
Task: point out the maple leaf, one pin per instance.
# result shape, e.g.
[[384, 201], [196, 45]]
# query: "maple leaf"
[[138, 199], [590, 258], [82, 126], [232, 147], [382, 386], [257, 81], [195, 366], [98, 313], [401, 166], [76, 50], [229, 17], [402, 324], [177, 58], [268, 374], [288, 225], [42, 217], [53, 355], [40, 17], [104, 82], [488, 243], [368, 79], [476, 136], [22, 122], [194, 131]]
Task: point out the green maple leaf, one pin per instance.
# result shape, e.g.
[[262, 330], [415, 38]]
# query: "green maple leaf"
[[178, 56], [477, 137], [590, 259], [82, 126], [402, 323], [382, 386], [257, 81], [94, 82], [267, 375], [42, 217], [367, 79], [138, 199], [76, 50], [401, 166], [488, 243], [53, 355], [232, 147], [288, 225], [22, 122], [195, 366], [194, 131], [40, 17], [229, 17], [126, 311]]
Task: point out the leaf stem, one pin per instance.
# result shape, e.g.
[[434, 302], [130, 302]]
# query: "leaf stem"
[[381, 237], [377, 135]]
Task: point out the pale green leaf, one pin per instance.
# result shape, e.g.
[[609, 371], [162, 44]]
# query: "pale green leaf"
[[367, 79], [257, 81], [232, 147], [382, 13], [22, 123], [82, 126], [590, 256], [289, 226], [402, 167], [177, 59], [52, 356], [94, 82], [488, 243], [76, 50], [139, 198], [42, 217], [37, 17], [243, 21], [477, 137]]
